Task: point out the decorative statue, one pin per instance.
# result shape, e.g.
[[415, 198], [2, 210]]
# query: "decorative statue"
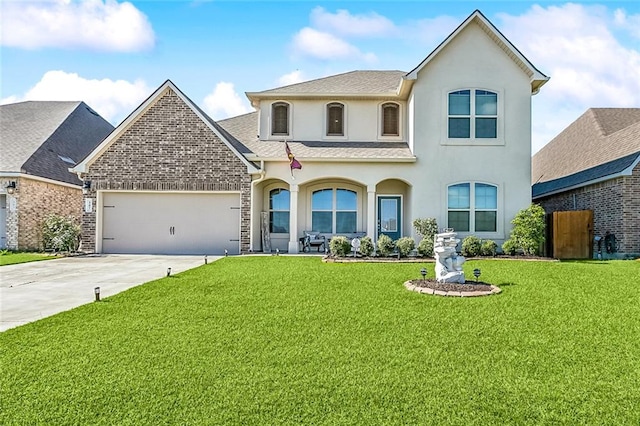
[[448, 263]]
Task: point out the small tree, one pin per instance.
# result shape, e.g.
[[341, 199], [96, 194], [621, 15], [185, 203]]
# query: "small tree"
[[528, 229], [60, 233], [405, 245], [385, 245], [427, 228]]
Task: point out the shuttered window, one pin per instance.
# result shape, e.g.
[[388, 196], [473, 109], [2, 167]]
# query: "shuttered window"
[[390, 119], [335, 119], [280, 119]]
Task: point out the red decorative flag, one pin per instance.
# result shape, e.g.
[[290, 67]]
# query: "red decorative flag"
[[293, 163]]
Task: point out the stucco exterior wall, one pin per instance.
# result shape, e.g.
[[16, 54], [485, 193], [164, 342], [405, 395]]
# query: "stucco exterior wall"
[[616, 209], [31, 203], [168, 148]]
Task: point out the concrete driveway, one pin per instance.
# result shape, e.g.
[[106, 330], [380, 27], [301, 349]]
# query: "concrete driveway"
[[31, 291]]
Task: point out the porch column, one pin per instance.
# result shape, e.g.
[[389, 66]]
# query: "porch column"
[[293, 219], [371, 212]]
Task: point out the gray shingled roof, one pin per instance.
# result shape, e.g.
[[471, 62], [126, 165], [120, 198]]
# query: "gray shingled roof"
[[593, 174], [245, 129], [350, 83], [599, 136], [44, 138]]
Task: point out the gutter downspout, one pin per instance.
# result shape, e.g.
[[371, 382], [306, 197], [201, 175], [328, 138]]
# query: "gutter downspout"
[[254, 183]]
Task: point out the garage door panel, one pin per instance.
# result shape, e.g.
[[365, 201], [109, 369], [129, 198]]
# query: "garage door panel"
[[171, 223]]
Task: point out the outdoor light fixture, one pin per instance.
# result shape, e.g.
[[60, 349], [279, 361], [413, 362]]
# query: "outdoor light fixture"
[[423, 272], [168, 271], [96, 291], [277, 252], [205, 259], [11, 188], [86, 186], [476, 273], [225, 252]]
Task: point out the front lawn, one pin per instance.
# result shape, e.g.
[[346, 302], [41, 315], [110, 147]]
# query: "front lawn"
[[292, 340], [11, 258]]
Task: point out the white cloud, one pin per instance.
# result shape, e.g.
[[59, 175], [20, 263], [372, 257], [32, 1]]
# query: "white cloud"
[[112, 99], [92, 24], [588, 66], [225, 102], [429, 32], [630, 23], [291, 78], [322, 45], [346, 24]]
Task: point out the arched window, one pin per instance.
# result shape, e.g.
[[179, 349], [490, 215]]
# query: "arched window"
[[334, 210], [335, 119], [279, 211], [280, 119], [472, 207], [473, 119], [390, 119]]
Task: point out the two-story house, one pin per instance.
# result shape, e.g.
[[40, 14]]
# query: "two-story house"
[[450, 139]]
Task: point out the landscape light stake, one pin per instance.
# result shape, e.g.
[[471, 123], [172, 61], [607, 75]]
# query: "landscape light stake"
[[225, 252], [168, 271], [423, 272], [476, 273], [96, 291], [205, 259], [277, 252]]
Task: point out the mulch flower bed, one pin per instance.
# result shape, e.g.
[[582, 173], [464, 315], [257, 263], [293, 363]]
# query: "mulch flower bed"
[[468, 289]]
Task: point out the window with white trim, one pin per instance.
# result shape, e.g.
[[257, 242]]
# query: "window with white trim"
[[472, 207], [335, 119], [280, 119], [334, 210], [472, 113], [390, 119], [279, 205]]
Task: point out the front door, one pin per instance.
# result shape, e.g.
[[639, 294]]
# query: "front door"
[[390, 216]]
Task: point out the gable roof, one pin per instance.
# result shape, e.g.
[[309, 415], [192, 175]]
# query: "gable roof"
[[244, 127], [45, 138], [537, 78], [612, 169], [367, 83], [598, 136], [231, 142]]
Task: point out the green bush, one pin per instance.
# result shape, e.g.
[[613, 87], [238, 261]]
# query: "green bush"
[[509, 247], [366, 246], [489, 248], [427, 229], [405, 245], [471, 246], [340, 246], [385, 245], [425, 247], [528, 229], [60, 233]]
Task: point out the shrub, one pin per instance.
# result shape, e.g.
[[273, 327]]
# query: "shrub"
[[509, 247], [385, 245], [528, 229], [427, 229], [405, 245], [60, 233], [340, 246], [366, 246], [471, 246], [488, 248]]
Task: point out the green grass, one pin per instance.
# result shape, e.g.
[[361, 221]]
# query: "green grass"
[[291, 340], [11, 258]]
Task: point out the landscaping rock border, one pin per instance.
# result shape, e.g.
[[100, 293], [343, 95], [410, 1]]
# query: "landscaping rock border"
[[468, 289]]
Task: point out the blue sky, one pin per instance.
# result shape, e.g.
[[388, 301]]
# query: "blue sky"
[[112, 54]]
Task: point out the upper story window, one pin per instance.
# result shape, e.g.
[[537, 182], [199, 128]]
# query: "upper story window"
[[335, 119], [473, 113], [279, 210], [472, 207], [334, 210], [280, 119], [390, 119]]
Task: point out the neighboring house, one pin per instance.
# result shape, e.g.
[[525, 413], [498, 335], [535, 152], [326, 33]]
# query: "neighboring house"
[[39, 141], [594, 164], [450, 139]]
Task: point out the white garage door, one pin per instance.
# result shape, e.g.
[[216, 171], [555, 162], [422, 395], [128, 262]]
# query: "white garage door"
[[170, 223]]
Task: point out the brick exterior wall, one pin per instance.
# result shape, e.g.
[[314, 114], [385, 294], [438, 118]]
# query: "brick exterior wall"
[[34, 200], [168, 148], [616, 208]]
